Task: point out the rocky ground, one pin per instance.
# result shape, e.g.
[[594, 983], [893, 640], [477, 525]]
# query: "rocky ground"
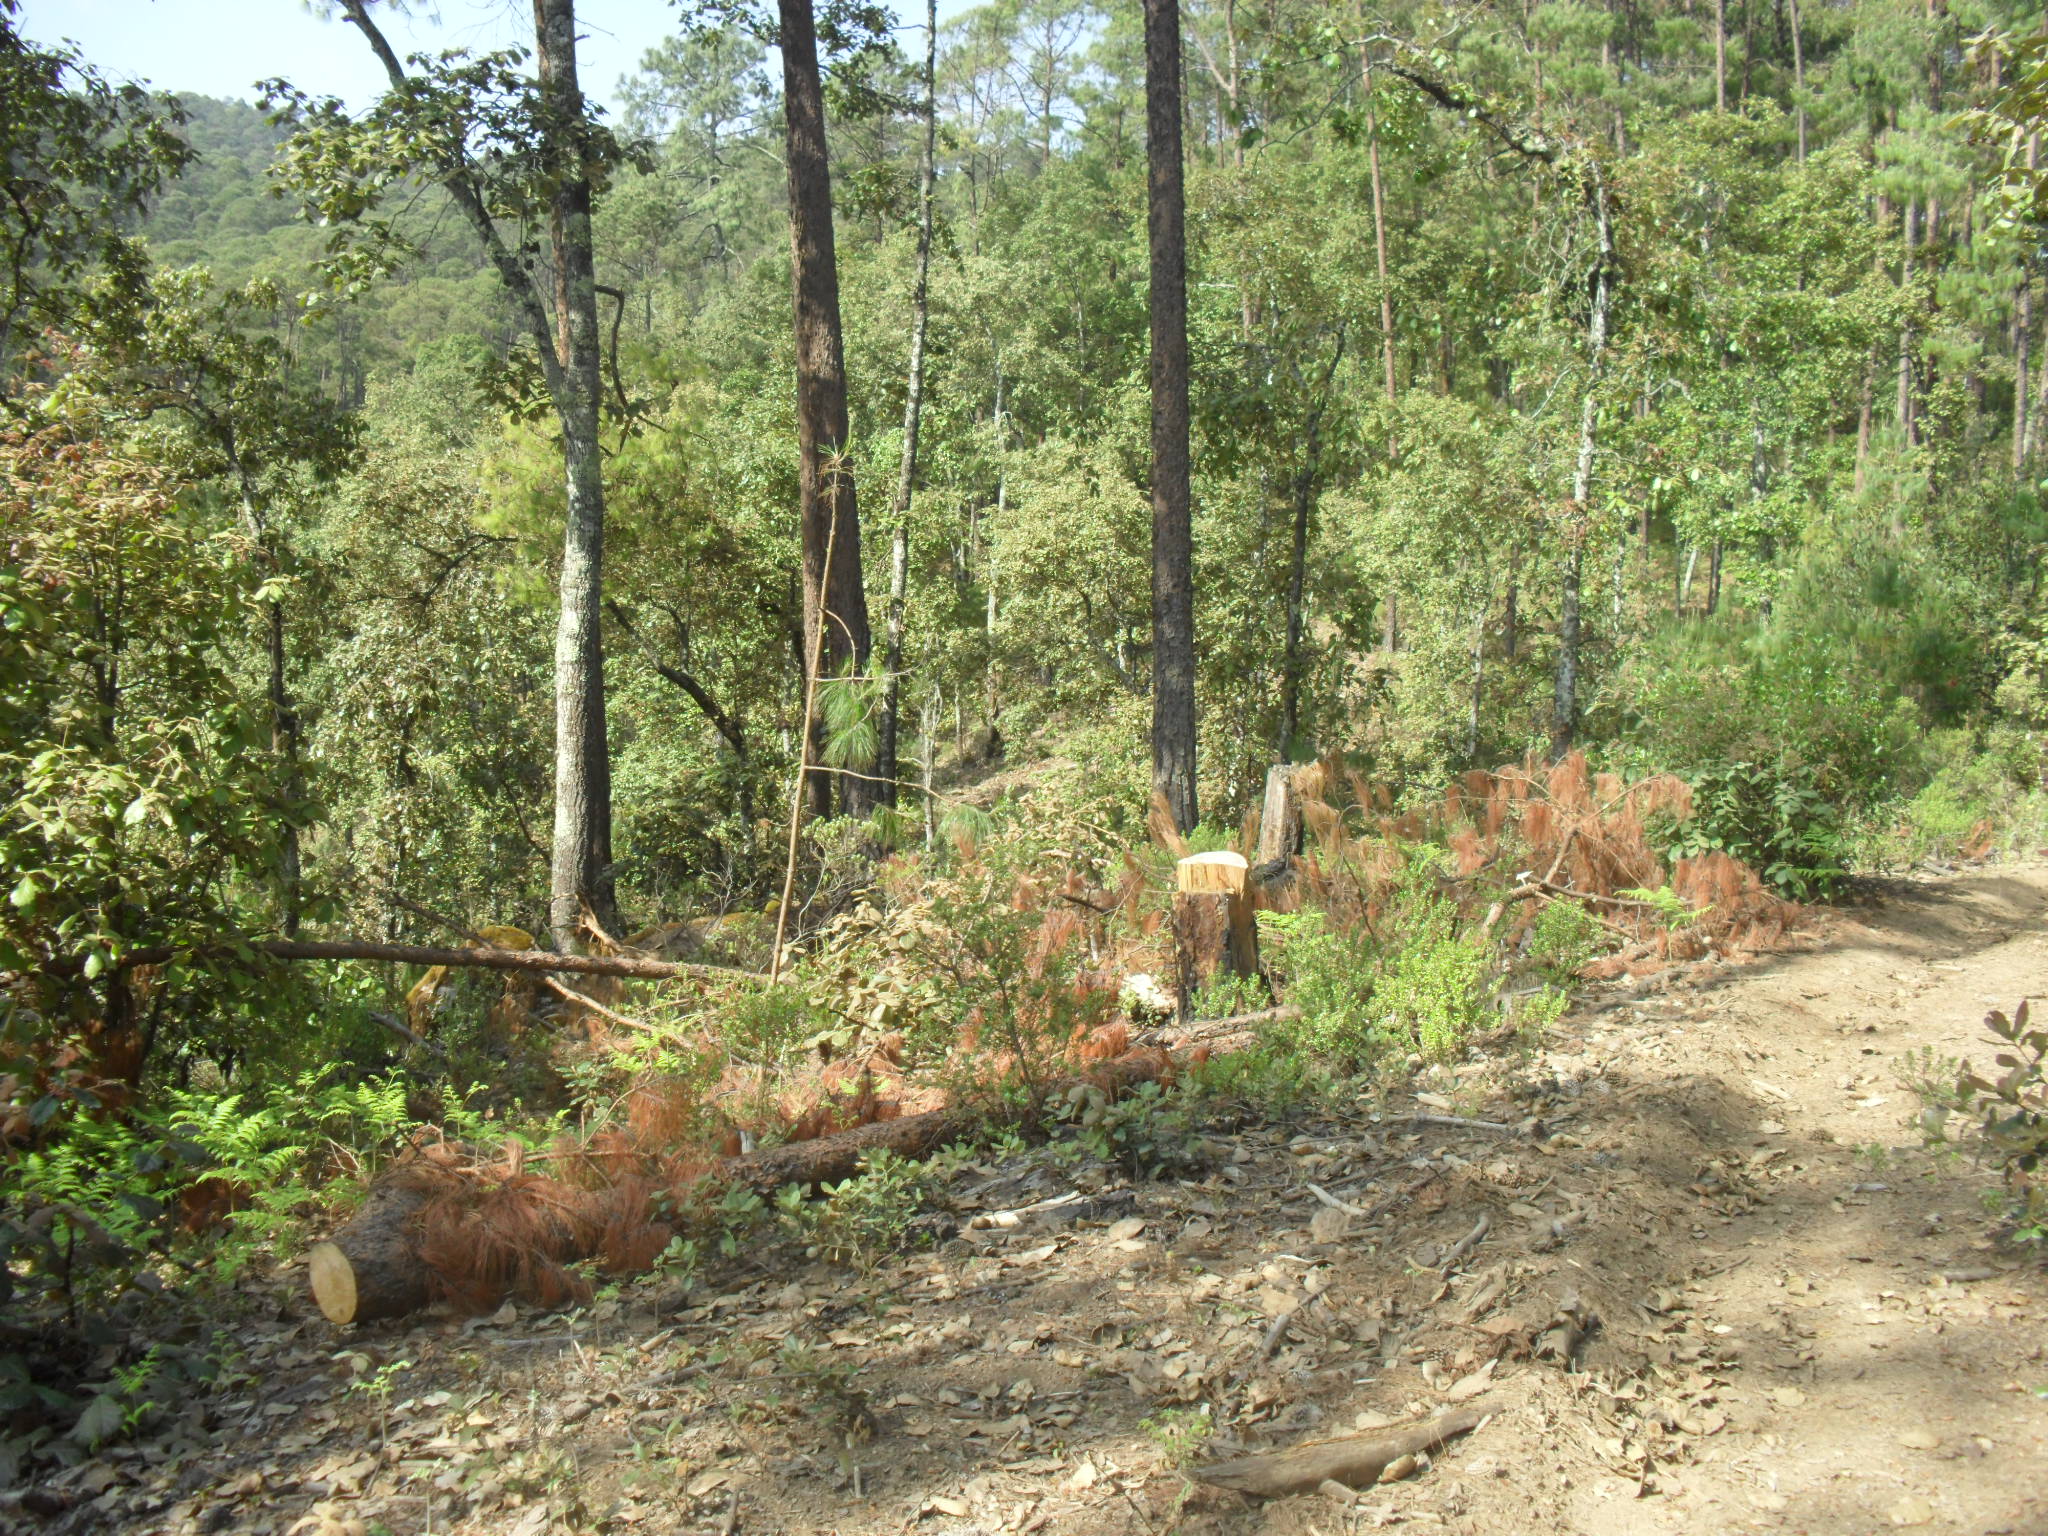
[[1700, 1268]]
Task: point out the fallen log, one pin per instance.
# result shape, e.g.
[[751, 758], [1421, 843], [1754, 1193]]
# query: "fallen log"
[[423, 954], [1355, 1461], [372, 1267], [369, 1269]]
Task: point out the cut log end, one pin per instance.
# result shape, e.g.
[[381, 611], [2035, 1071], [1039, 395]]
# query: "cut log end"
[[334, 1282], [368, 1269]]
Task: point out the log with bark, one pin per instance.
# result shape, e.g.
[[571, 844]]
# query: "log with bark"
[[422, 954], [372, 1268], [1355, 1461]]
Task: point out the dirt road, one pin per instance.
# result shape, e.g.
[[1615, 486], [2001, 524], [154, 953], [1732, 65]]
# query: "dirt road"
[[1719, 1287]]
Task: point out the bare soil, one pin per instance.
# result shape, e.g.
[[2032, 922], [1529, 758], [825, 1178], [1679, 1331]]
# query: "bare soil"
[[1721, 1286]]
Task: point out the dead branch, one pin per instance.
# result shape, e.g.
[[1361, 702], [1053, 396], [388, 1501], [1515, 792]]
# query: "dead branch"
[[422, 954], [1356, 1462]]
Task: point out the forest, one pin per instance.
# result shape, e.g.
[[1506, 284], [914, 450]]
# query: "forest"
[[584, 695]]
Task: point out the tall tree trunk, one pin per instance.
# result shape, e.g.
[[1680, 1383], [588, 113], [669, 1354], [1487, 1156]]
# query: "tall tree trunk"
[[284, 741], [1720, 55], [1799, 79], [1379, 231], [1564, 723], [580, 872], [829, 515], [913, 411], [1297, 567], [1173, 597], [2022, 345]]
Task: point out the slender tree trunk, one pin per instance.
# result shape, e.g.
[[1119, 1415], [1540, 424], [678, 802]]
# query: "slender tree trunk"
[[1799, 79], [1564, 722], [284, 741], [1911, 234], [2039, 413], [1379, 231], [1173, 598], [913, 410], [829, 514], [2022, 345], [1720, 55], [580, 868], [1297, 566], [1510, 624]]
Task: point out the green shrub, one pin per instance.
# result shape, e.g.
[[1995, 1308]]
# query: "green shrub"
[[2012, 1119], [1150, 1131], [1328, 977], [1774, 817], [1431, 995], [861, 1220], [1563, 938]]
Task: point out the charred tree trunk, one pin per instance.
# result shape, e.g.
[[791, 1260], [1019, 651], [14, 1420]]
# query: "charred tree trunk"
[[826, 481], [913, 410], [1173, 596]]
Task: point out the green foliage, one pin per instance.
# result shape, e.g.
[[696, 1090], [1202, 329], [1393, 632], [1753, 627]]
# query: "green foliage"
[[1329, 977], [1152, 1131], [1180, 1433], [80, 157], [864, 1219], [1416, 984], [1771, 816], [2011, 1109], [1563, 938]]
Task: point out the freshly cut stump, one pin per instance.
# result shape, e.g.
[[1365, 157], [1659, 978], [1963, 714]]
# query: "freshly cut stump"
[[1213, 926], [370, 1268]]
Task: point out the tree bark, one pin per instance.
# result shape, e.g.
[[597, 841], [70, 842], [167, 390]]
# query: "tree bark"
[[1565, 711], [1799, 78], [1173, 597], [1213, 925], [1720, 55], [2022, 343], [284, 741], [826, 480], [371, 1268], [424, 954], [580, 860], [913, 410], [1297, 566], [1379, 229], [580, 874]]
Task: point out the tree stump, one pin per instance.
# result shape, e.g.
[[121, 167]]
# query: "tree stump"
[[1280, 831], [1213, 926], [370, 1268]]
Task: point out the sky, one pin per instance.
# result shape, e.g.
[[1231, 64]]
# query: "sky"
[[222, 47]]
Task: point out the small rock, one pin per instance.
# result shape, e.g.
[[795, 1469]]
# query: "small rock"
[[1788, 1397], [1124, 1230], [1329, 1225], [1911, 1509], [1918, 1440]]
